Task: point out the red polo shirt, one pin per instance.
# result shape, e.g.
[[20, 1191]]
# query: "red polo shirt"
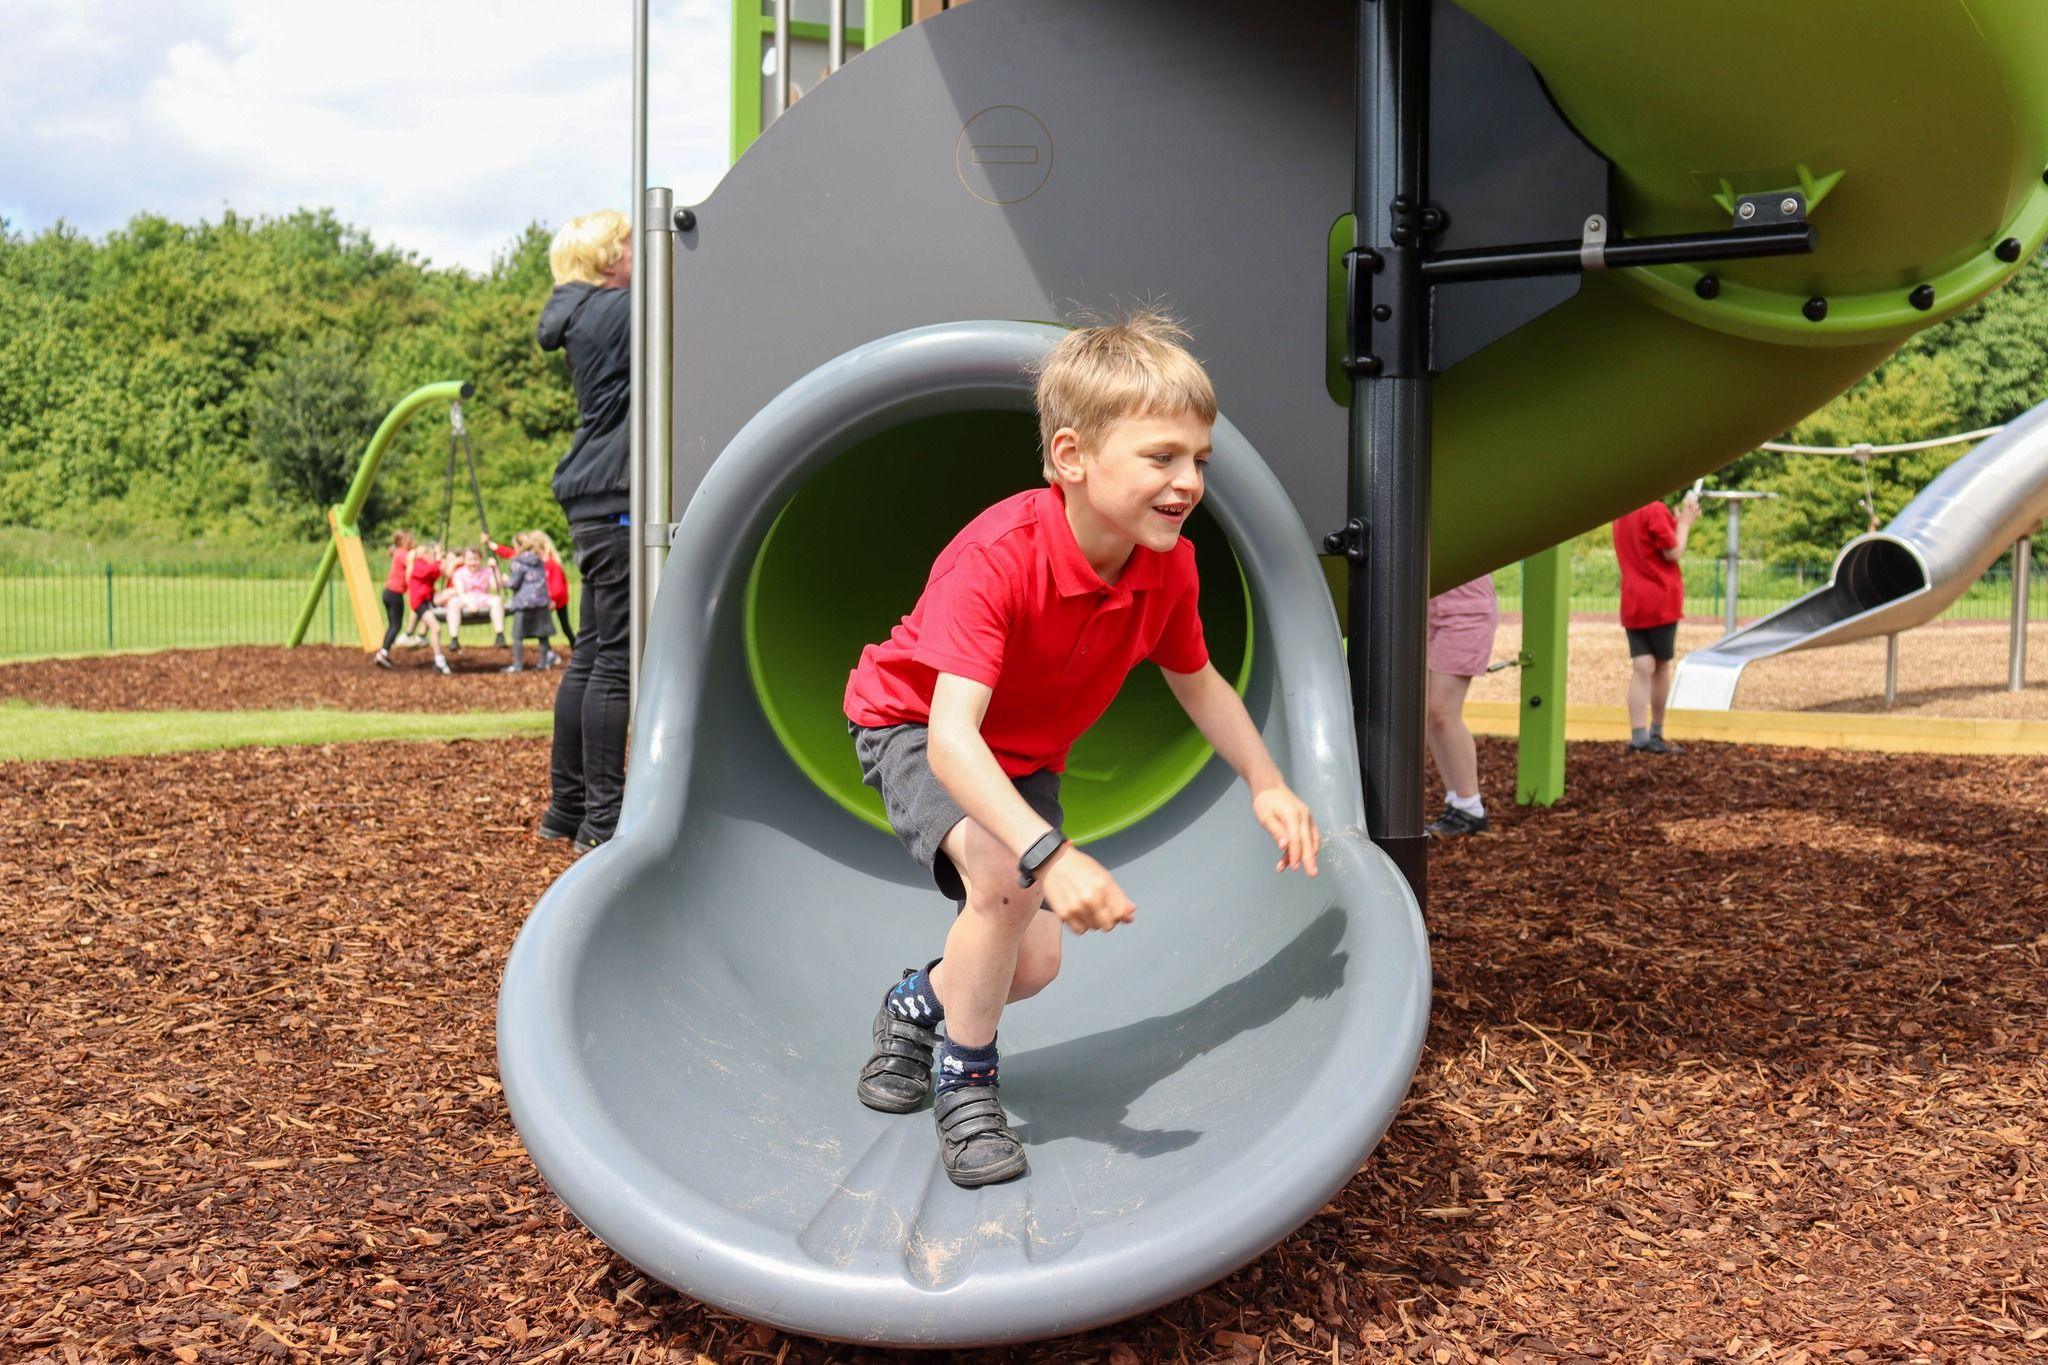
[[1013, 604], [1652, 588]]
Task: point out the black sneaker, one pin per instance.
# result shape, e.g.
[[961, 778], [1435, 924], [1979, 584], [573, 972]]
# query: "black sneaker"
[[1454, 822], [1655, 744], [975, 1142], [549, 829], [583, 843], [898, 1073]]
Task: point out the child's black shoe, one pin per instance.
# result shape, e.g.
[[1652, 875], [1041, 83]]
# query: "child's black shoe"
[[975, 1141], [1455, 823], [898, 1074]]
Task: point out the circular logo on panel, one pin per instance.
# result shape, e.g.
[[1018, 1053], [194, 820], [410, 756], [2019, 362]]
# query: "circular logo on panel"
[[1004, 154]]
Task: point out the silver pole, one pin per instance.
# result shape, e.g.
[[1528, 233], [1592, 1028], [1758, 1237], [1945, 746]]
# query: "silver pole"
[[1734, 557], [638, 386], [1891, 670], [657, 475], [836, 43], [2016, 657], [781, 55]]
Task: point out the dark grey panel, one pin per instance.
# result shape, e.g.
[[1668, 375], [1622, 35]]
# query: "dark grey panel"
[[1506, 168], [1019, 160]]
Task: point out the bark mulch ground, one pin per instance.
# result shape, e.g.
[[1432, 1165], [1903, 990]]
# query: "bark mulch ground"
[[1735, 1056], [265, 677]]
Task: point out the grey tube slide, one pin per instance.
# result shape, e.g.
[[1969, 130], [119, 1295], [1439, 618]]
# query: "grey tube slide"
[[683, 1016], [1902, 576]]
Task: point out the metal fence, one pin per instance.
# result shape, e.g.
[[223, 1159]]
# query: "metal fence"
[[1762, 588], [50, 612], [45, 612]]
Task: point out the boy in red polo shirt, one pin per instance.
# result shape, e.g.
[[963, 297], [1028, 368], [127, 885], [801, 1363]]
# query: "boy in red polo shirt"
[[962, 719], [1648, 543]]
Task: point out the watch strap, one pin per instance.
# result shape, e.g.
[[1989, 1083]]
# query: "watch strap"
[[1038, 855]]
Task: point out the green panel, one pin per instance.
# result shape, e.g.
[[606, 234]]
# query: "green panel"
[[849, 555], [886, 19], [1546, 637], [746, 75]]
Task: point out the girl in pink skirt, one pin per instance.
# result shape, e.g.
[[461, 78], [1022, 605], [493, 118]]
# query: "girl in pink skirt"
[[1461, 626]]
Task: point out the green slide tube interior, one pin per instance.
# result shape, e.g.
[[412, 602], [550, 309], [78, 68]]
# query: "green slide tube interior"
[[846, 559]]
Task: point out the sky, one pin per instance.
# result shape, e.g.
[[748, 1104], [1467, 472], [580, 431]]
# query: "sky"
[[441, 127]]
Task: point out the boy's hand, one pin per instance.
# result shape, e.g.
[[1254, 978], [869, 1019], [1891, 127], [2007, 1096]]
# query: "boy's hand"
[[1286, 817], [1689, 510], [1083, 894]]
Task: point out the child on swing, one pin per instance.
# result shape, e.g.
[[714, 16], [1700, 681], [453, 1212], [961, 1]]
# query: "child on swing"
[[962, 719]]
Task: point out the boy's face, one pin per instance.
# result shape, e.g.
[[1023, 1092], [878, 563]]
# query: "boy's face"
[[1144, 478]]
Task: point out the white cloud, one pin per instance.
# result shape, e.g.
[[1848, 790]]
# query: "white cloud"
[[443, 128]]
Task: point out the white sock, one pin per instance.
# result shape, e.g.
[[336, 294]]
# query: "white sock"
[[1472, 805]]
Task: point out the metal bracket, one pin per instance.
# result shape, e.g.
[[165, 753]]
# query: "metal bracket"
[[455, 417], [659, 535], [1593, 243], [1360, 265], [1783, 208], [1351, 542]]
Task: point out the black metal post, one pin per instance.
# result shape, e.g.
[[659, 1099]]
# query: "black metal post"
[[1390, 428]]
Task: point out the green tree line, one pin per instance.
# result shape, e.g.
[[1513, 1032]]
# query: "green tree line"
[[202, 392], [175, 391]]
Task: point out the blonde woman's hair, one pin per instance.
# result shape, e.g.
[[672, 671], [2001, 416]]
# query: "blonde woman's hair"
[[587, 247], [1134, 366]]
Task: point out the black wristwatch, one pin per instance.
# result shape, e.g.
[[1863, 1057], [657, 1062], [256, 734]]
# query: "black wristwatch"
[[1038, 855]]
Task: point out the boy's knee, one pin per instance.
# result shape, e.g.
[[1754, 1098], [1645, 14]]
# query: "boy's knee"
[[1036, 968]]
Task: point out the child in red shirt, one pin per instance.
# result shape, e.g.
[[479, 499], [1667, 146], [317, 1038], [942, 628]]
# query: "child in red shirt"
[[395, 580], [1029, 623], [1648, 544], [427, 570]]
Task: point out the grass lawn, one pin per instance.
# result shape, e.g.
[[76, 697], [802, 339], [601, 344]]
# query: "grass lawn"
[[48, 732]]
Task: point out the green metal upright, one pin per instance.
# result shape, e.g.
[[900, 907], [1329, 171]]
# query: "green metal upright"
[[447, 391], [753, 21], [1546, 644]]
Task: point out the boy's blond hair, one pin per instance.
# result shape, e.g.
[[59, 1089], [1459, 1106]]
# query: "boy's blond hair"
[[587, 247], [1135, 366]]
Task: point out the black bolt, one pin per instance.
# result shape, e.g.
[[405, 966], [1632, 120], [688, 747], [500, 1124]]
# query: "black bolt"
[[686, 220], [1333, 543], [2009, 250], [1707, 286], [1815, 309], [1372, 259], [1382, 312], [1370, 365], [1535, 702], [1402, 234], [1432, 218], [1922, 298], [1403, 204]]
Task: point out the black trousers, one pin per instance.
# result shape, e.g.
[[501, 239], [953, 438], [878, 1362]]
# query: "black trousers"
[[591, 706], [394, 616]]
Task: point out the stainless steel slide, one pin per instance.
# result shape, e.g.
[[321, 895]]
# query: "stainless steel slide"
[[683, 1016], [1897, 578]]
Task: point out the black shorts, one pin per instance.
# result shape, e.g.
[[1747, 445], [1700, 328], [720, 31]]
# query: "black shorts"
[[894, 761], [1659, 642]]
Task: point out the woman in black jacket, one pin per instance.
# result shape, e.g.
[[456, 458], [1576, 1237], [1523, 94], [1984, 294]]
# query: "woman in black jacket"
[[589, 317]]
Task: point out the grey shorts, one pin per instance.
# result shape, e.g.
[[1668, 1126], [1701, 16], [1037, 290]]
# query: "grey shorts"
[[893, 761]]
